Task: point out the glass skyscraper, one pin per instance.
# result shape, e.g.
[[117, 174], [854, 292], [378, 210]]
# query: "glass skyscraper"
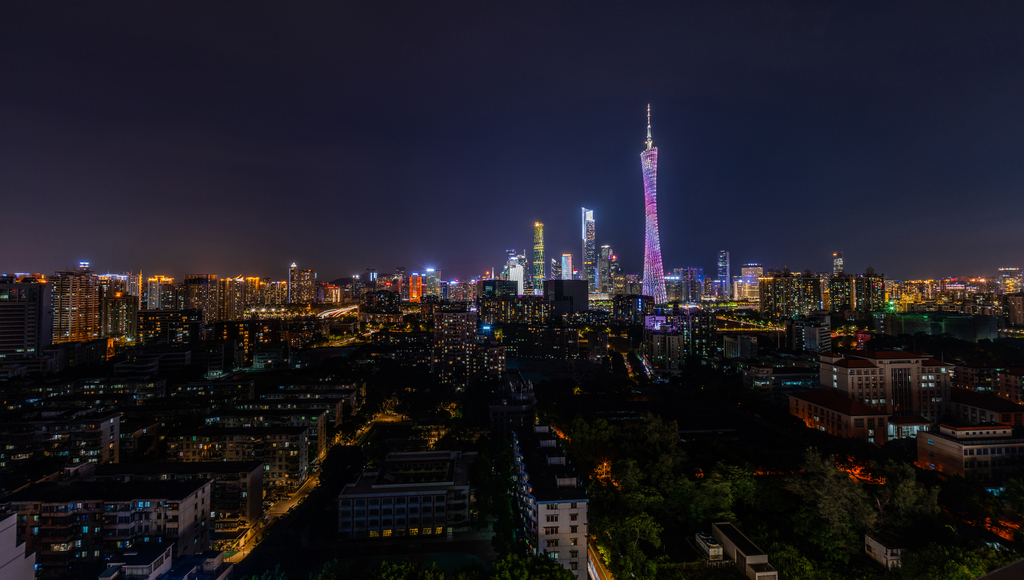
[[587, 272]]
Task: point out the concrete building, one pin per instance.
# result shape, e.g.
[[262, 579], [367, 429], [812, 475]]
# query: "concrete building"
[[810, 334], [76, 436], [883, 553], [986, 451], [895, 382], [409, 494], [973, 407], [786, 295], [454, 344], [301, 285], [777, 383], [831, 412], [236, 493], [90, 522], [283, 450], [551, 499], [567, 296], [75, 300], [314, 420], [1008, 384], [145, 564], [750, 560], [14, 563], [26, 318]]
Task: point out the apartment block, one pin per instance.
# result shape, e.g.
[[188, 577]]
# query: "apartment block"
[[282, 450], [551, 498]]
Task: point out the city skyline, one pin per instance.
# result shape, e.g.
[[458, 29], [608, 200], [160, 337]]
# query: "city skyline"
[[274, 162]]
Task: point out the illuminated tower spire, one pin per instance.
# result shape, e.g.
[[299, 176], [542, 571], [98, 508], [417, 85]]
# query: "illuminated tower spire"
[[654, 272]]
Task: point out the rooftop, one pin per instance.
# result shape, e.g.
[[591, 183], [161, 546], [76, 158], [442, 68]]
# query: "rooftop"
[[986, 401], [544, 477], [105, 491], [832, 400], [177, 468], [741, 542]]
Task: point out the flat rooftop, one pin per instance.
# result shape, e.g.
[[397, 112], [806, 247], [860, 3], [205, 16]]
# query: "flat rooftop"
[[741, 542], [177, 468], [106, 491]]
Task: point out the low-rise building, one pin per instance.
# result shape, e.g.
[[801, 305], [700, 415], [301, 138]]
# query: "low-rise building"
[[552, 500], [89, 522], [73, 435], [282, 450], [152, 564], [315, 420], [973, 407], [410, 494], [237, 492], [1009, 382], [777, 383], [709, 546], [829, 411], [881, 550], [985, 451], [750, 560]]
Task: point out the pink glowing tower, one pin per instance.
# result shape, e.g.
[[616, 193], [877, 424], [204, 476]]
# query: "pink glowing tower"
[[654, 273]]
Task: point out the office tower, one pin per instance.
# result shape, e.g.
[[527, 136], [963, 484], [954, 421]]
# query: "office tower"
[[567, 267], [76, 305], [201, 294], [538, 256], [161, 294], [615, 275], [603, 282], [26, 321], [403, 282], [516, 273], [692, 282], [556, 269], [567, 296], [415, 287], [495, 289], [654, 272], [432, 283], [750, 284], [837, 263], [587, 272], [301, 285], [724, 274], [841, 292], [674, 288]]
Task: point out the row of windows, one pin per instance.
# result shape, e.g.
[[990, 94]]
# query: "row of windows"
[[392, 500], [412, 532]]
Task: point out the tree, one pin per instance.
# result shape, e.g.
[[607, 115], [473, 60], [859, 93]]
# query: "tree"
[[935, 562], [515, 567]]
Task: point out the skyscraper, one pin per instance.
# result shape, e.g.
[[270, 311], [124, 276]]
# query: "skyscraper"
[[603, 282], [301, 285], [837, 262], [538, 256], [724, 274], [589, 256], [567, 267], [654, 272], [556, 269]]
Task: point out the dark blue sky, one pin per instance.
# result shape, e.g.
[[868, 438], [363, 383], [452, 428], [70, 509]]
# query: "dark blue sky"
[[235, 139]]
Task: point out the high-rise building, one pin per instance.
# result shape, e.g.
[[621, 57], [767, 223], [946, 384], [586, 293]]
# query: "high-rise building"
[[415, 287], [837, 263], [567, 269], [514, 272], [201, 294], [603, 282], [232, 298], [749, 285], [787, 295], [692, 283], [432, 283], [161, 294], [26, 321], [1010, 280], [869, 291], [454, 342], [119, 315], [556, 269], [588, 271], [724, 274], [654, 272], [301, 285], [538, 256], [76, 305]]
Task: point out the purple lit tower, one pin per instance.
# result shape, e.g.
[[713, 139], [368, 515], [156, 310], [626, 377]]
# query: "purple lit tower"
[[654, 273]]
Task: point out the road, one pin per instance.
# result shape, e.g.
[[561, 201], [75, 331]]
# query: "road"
[[249, 540], [598, 571]]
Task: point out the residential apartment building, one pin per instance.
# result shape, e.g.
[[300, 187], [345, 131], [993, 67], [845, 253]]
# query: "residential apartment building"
[[14, 563], [236, 493], [551, 499], [1009, 382], [409, 494], [76, 436], [88, 522], [282, 450], [984, 451], [315, 421]]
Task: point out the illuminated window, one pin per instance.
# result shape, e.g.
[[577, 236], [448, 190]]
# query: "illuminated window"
[[387, 533]]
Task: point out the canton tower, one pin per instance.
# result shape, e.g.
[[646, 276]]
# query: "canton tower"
[[654, 273]]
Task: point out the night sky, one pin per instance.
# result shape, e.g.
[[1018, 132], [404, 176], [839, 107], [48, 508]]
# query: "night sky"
[[234, 139]]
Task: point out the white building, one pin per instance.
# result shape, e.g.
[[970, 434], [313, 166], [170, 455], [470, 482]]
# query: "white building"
[[14, 564], [551, 499]]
